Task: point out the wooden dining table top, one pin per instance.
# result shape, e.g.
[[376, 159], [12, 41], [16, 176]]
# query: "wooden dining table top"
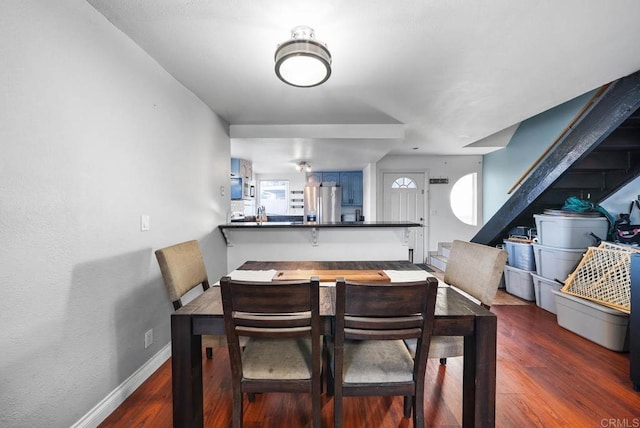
[[450, 303]]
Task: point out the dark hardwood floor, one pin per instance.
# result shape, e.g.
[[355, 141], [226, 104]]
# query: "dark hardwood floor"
[[546, 377]]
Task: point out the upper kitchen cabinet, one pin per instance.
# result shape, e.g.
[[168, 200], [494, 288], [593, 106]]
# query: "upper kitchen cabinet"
[[314, 177], [331, 177], [351, 183], [323, 177], [242, 168]]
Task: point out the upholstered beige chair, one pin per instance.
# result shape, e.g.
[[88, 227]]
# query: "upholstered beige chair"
[[369, 357], [283, 352], [182, 270], [476, 270]]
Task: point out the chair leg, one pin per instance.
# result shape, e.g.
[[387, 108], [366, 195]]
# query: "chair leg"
[[209, 352], [328, 374], [337, 408], [418, 409], [316, 402], [408, 404], [326, 369], [443, 361], [237, 408]]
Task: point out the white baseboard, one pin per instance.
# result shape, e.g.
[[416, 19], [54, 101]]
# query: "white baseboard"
[[111, 402]]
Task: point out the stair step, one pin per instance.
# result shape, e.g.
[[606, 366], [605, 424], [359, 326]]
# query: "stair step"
[[445, 250], [438, 261]]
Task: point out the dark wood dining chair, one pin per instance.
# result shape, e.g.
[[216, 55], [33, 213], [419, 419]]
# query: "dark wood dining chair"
[[369, 356], [283, 352], [183, 270]]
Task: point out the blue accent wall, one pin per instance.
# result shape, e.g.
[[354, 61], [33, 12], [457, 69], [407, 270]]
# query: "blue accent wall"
[[502, 168]]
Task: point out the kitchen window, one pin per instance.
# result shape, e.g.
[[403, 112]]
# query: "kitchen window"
[[274, 196]]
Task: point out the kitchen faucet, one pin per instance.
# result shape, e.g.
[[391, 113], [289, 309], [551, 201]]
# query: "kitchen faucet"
[[261, 214]]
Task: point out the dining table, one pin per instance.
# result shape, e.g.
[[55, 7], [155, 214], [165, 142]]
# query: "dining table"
[[455, 315]]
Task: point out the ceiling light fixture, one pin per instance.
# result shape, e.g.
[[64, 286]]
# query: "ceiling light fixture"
[[303, 166], [303, 61]]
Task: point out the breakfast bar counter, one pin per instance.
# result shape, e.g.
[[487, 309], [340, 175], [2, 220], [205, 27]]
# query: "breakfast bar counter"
[[272, 240], [307, 225]]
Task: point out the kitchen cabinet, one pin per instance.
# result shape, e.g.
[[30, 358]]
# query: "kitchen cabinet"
[[351, 183], [314, 177], [235, 167], [331, 177], [242, 168], [323, 177]]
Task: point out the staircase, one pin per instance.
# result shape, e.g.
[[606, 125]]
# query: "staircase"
[[439, 260], [597, 155]]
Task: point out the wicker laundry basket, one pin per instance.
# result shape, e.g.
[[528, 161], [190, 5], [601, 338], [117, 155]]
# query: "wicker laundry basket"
[[603, 276]]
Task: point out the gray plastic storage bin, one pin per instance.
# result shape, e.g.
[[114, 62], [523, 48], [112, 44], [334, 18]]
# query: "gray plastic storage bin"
[[519, 283], [570, 231], [556, 263], [520, 255], [600, 324], [543, 289]]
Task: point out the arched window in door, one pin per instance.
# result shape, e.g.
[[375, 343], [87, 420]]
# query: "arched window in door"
[[464, 199], [404, 183]]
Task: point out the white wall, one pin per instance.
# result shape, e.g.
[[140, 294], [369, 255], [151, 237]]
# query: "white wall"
[[94, 133], [443, 225], [369, 195]]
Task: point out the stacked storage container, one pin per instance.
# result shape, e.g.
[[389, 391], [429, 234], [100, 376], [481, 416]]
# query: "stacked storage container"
[[520, 266], [563, 238], [595, 301]]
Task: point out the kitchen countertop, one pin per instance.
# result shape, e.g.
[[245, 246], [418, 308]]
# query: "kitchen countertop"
[[306, 225]]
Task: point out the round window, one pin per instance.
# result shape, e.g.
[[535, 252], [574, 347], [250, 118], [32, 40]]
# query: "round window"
[[464, 199]]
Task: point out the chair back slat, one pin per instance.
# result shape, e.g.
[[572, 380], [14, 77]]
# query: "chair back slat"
[[384, 300], [281, 297], [298, 319], [384, 311], [285, 309], [281, 333], [364, 334], [384, 322]]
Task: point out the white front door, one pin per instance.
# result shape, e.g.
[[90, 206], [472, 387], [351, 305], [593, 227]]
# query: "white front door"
[[403, 200]]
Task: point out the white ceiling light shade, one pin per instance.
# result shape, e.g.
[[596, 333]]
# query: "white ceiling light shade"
[[303, 61]]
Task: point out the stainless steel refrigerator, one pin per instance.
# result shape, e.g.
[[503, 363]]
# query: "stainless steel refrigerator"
[[322, 204]]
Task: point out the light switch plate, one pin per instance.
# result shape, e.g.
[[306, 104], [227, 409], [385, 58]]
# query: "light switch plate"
[[144, 223]]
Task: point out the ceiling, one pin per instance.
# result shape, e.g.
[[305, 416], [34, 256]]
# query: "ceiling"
[[445, 77]]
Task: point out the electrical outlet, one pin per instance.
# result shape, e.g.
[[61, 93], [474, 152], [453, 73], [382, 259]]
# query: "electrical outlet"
[[148, 338]]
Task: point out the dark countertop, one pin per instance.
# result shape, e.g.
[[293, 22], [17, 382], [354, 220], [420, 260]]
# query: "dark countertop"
[[303, 225]]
